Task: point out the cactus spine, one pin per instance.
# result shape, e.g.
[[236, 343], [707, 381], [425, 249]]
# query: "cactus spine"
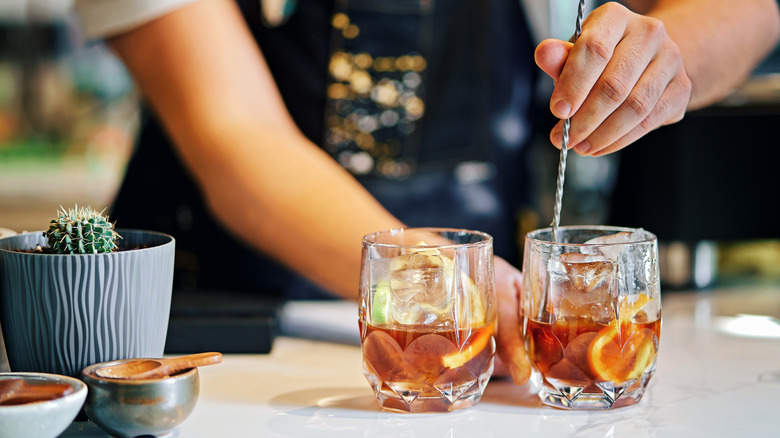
[[81, 231]]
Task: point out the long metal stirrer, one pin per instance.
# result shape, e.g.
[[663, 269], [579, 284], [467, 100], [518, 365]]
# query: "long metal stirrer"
[[564, 145]]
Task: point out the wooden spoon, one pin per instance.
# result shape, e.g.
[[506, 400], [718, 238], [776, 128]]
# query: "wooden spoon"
[[17, 391], [157, 368]]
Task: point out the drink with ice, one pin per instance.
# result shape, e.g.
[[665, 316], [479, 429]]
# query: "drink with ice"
[[427, 318], [592, 315]]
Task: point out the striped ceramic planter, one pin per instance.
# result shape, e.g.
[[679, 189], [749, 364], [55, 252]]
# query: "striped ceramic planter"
[[61, 313]]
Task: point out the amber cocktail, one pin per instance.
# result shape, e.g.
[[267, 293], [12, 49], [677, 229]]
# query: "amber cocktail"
[[592, 315], [427, 317]]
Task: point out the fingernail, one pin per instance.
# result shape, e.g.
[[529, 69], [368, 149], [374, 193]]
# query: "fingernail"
[[582, 148], [562, 109]]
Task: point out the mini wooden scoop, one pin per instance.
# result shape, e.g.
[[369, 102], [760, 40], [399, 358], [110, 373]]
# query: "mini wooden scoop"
[[17, 391], [157, 368]]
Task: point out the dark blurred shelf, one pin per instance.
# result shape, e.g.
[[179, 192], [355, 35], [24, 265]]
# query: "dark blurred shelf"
[[228, 322], [712, 176]]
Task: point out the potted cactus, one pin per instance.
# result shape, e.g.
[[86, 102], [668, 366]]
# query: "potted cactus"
[[81, 231], [83, 292]]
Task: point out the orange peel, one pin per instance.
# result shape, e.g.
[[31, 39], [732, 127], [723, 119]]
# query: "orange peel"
[[629, 309], [459, 358], [611, 362]]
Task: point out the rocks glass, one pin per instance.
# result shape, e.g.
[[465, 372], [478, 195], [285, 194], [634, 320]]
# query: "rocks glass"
[[592, 315], [427, 317]]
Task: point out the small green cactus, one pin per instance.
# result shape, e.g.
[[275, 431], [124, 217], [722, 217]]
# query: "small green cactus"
[[81, 231]]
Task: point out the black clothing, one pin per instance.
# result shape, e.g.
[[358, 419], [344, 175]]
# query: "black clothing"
[[458, 78]]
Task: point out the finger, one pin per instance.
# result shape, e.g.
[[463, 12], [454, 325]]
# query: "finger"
[[620, 81], [550, 55], [586, 61], [556, 135], [637, 106], [668, 110], [511, 348]]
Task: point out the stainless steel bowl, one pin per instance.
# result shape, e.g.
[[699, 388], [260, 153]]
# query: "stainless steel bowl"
[[130, 408]]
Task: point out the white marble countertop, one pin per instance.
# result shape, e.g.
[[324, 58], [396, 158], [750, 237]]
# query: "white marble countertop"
[[714, 379]]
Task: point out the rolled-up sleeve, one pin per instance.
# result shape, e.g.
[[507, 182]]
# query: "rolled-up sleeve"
[[105, 18]]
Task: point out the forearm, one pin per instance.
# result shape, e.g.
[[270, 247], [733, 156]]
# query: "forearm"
[[262, 179], [300, 208], [721, 41]]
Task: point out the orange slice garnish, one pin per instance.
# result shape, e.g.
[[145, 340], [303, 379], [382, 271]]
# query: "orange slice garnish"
[[630, 306], [609, 362], [605, 358], [639, 352], [459, 358]]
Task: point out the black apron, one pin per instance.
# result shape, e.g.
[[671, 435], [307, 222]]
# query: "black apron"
[[427, 102]]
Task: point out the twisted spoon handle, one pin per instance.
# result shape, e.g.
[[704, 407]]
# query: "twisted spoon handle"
[[564, 146]]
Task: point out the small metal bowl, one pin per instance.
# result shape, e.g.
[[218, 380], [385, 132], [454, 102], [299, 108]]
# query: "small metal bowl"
[[130, 408], [42, 419]]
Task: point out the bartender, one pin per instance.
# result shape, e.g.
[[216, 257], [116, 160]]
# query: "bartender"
[[278, 133]]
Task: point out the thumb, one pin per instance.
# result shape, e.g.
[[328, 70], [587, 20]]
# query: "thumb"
[[550, 55]]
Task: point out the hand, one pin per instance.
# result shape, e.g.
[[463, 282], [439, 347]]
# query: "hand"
[[511, 348], [623, 78]]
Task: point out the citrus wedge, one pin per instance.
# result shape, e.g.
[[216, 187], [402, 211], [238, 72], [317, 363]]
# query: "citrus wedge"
[[639, 353], [478, 343], [611, 363], [631, 305], [380, 304], [608, 360], [604, 356]]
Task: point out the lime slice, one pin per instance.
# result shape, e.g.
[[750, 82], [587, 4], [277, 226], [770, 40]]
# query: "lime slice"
[[380, 304]]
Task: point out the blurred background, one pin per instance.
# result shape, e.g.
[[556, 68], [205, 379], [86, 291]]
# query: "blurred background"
[[68, 115], [706, 186]]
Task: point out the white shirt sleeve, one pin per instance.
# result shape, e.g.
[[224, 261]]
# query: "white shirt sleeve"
[[104, 18]]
